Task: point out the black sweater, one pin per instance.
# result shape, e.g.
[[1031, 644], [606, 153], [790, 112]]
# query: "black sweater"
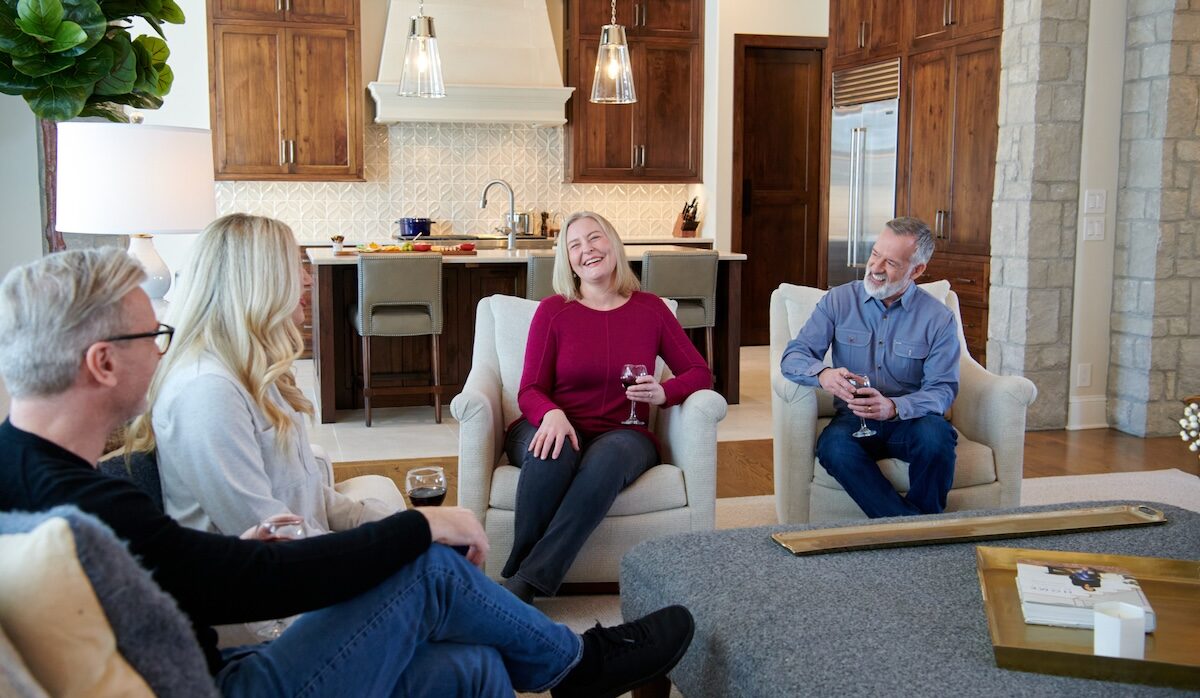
[[215, 579]]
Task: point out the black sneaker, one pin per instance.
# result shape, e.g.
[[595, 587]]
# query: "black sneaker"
[[619, 659]]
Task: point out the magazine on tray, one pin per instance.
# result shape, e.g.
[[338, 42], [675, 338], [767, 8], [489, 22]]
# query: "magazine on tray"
[[1056, 593]]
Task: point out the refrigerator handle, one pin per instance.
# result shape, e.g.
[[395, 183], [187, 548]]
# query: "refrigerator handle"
[[852, 200]]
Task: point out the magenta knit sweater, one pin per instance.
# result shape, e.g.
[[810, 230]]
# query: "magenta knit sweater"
[[574, 355]]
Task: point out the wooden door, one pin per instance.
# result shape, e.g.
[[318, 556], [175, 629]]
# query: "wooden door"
[[777, 157], [670, 109], [926, 167], [847, 30], [967, 228], [324, 118], [269, 10], [247, 113], [667, 18], [929, 22], [883, 29], [591, 15], [976, 17], [322, 11], [603, 137]]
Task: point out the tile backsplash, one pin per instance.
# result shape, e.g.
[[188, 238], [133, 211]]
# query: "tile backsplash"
[[438, 171]]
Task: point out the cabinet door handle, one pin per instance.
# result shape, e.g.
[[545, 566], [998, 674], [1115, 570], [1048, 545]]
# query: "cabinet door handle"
[[866, 33], [636, 10], [279, 5], [633, 157], [945, 13], [861, 27], [642, 159], [964, 280], [645, 11], [282, 152], [291, 152], [937, 224], [949, 12]]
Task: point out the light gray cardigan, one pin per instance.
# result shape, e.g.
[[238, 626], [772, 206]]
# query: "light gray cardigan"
[[222, 469]]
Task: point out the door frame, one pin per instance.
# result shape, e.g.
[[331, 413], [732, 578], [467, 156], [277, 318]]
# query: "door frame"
[[741, 44]]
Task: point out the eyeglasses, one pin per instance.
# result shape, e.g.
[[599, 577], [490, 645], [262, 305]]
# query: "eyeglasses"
[[162, 337]]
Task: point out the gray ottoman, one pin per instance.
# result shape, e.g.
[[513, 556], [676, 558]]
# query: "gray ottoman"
[[869, 623]]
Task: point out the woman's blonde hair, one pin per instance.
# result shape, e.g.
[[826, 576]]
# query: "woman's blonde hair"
[[239, 292], [566, 284]]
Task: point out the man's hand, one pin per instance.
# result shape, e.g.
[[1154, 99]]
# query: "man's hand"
[[836, 381], [647, 389], [555, 429], [457, 526], [871, 404]]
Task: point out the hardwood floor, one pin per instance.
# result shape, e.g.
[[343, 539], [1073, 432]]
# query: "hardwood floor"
[[744, 468]]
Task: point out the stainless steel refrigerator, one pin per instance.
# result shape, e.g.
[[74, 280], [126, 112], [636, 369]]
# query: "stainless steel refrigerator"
[[862, 164]]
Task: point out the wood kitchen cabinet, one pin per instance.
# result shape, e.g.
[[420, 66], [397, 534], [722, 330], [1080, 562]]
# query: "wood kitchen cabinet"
[[933, 22], [658, 139], [864, 30], [311, 11], [286, 97], [952, 100]]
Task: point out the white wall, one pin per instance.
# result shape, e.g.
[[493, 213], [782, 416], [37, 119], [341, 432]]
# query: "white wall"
[[20, 194], [1094, 258], [723, 19]]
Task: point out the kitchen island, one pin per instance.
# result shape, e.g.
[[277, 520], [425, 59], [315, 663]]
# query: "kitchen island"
[[337, 359]]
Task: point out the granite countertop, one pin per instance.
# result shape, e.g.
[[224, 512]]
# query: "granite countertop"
[[322, 255]]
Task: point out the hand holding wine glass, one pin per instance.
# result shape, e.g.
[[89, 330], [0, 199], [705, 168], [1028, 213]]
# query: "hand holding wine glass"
[[629, 376], [862, 381]]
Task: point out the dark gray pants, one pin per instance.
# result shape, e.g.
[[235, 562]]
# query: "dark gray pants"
[[560, 501]]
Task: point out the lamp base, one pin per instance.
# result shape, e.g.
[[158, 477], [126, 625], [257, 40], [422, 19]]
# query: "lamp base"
[[158, 281]]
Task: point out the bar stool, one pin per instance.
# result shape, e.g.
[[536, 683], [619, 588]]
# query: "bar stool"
[[539, 276], [399, 295], [690, 279]]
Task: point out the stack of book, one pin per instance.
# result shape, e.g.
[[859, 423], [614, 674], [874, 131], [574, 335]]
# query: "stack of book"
[[1064, 594]]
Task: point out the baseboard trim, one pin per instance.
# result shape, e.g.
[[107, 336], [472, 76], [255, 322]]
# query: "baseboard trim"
[[1087, 412]]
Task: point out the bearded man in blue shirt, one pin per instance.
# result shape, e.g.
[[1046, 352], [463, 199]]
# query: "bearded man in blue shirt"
[[906, 342]]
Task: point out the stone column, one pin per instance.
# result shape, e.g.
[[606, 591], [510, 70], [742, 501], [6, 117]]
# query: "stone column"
[[1043, 58], [1155, 345]]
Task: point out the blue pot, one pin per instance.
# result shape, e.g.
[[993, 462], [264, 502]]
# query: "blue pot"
[[412, 227]]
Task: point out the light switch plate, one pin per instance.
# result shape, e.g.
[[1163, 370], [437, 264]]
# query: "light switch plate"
[[1095, 201], [1093, 229]]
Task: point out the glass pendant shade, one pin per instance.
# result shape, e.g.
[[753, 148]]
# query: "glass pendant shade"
[[422, 74], [613, 81]]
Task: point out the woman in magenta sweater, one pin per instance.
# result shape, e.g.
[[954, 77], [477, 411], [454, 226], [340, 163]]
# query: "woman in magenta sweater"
[[575, 452]]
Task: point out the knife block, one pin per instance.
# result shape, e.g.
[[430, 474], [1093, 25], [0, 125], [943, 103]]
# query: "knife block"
[[684, 229]]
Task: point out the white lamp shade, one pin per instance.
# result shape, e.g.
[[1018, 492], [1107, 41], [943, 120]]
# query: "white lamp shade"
[[124, 179]]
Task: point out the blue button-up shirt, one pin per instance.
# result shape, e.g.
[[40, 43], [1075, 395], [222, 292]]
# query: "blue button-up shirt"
[[909, 351]]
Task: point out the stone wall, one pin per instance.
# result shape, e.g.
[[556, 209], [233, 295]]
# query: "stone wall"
[[1043, 61], [1155, 343]]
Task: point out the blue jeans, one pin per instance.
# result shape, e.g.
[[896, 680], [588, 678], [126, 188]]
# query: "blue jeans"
[[437, 627], [926, 443], [560, 501]]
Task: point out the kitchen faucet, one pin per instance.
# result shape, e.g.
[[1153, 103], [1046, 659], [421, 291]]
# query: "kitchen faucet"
[[512, 209]]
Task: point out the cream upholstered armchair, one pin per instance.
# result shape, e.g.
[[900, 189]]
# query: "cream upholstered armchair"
[[989, 415], [676, 496]]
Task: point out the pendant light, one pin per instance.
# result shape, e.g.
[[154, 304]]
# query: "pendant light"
[[613, 82], [422, 74]]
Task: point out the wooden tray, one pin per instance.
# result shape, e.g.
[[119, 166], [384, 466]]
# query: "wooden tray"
[[1171, 586], [957, 530]]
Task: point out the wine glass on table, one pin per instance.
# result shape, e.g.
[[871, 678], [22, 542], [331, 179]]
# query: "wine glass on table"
[[861, 382], [629, 376], [426, 486]]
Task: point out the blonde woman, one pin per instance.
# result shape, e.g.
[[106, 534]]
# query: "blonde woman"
[[575, 443], [226, 416]]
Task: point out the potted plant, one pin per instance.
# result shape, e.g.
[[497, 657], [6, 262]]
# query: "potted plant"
[[71, 58]]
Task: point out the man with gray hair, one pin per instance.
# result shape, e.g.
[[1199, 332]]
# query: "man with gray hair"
[[894, 376], [389, 608]]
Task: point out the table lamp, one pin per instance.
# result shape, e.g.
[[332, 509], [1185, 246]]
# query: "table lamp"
[[137, 180]]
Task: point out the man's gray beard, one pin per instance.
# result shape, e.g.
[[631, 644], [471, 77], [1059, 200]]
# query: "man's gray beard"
[[885, 290]]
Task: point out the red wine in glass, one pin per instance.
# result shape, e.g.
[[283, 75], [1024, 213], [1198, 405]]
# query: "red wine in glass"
[[427, 496], [629, 376], [426, 487]]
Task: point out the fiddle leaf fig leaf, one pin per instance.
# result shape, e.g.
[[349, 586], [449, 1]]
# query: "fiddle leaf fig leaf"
[[42, 64], [171, 12], [88, 68], [40, 18], [123, 74], [68, 36], [88, 15], [13, 41], [156, 49], [166, 76], [13, 81], [58, 103]]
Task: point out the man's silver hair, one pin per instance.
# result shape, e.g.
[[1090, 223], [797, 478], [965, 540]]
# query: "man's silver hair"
[[915, 227], [53, 309]]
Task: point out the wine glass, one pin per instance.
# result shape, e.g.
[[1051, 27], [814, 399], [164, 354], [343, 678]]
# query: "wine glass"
[[426, 486], [861, 382], [277, 529], [629, 376]]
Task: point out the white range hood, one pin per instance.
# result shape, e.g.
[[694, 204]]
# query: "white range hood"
[[498, 62]]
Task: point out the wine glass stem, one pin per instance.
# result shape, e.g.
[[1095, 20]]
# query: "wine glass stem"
[[632, 410]]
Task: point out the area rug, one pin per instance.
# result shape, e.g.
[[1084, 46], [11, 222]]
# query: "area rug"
[[1173, 487]]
